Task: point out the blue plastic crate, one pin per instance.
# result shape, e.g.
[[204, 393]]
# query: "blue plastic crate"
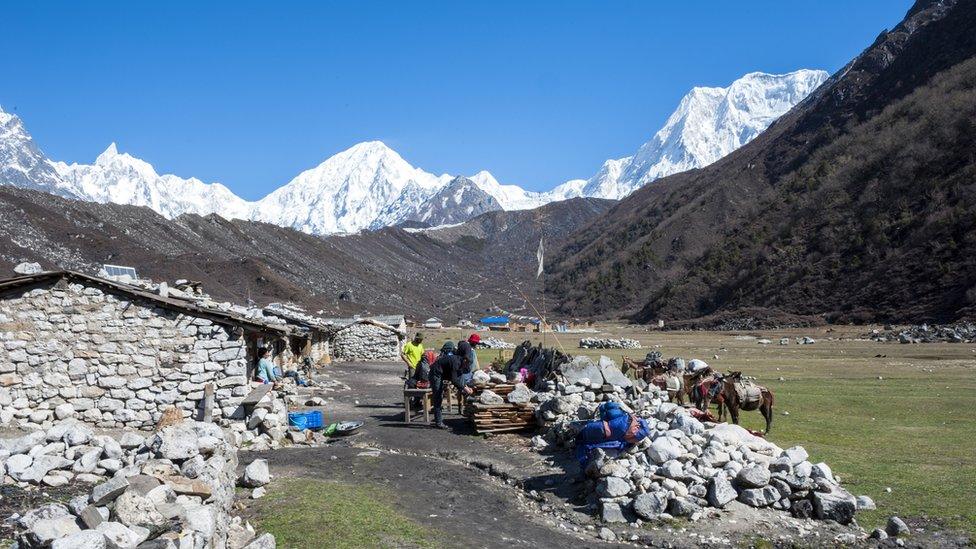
[[305, 420]]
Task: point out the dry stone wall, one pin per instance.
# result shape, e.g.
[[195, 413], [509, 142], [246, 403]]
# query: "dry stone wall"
[[363, 341], [78, 351]]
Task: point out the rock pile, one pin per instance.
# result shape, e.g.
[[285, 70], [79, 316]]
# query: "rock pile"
[[608, 343], [958, 333], [684, 466], [172, 489], [495, 343]]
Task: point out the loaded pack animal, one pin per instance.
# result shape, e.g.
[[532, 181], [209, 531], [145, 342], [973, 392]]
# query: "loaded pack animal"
[[670, 376], [742, 394]]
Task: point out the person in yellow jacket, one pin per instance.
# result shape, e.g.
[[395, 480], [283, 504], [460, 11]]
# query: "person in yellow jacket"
[[411, 353]]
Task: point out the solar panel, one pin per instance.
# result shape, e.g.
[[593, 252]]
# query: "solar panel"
[[118, 270]]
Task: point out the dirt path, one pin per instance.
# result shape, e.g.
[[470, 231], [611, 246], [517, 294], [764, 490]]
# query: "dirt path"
[[464, 486]]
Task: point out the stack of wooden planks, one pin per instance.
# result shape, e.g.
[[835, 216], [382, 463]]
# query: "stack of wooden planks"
[[499, 418]]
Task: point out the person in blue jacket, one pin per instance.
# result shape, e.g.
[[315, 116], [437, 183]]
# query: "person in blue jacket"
[[266, 370]]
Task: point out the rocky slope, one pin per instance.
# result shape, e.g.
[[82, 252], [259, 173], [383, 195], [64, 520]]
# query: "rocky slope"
[[859, 204], [386, 271]]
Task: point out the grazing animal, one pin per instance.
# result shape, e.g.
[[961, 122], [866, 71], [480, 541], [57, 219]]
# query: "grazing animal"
[[739, 394]]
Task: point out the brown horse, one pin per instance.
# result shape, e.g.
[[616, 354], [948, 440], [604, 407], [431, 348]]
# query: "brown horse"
[[761, 399]]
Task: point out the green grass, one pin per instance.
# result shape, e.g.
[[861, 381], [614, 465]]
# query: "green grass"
[[913, 431], [316, 513]]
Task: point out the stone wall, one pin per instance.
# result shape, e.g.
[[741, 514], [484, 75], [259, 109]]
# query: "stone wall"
[[364, 341], [79, 351]]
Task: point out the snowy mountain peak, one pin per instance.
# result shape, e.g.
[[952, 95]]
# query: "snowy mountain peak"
[[708, 124], [369, 185], [106, 157]]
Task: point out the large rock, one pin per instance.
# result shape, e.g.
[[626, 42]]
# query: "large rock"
[[664, 449], [256, 474], [108, 490], [759, 497], [753, 476], [613, 487], [837, 505], [133, 509], [120, 536], [581, 367], [612, 512], [720, 491], [490, 397], [897, 527], [796, 455], [28, 268], [76, 435], [86, 539], [612, 374], [687, 424], [650, 506], [130, 440], [22, 445], [520, 394], [45, 531]]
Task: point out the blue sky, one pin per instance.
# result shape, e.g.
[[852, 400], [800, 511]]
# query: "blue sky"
[[252, 93]]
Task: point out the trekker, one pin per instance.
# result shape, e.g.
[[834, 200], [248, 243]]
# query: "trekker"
[[411, 352], [266, 369], [447, 368], [474, 340]]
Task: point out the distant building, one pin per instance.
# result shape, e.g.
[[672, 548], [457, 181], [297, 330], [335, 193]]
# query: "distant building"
[[497, 323], [433, 323]]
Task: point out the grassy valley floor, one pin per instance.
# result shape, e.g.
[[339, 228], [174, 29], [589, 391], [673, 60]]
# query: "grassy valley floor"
[[883, 415]]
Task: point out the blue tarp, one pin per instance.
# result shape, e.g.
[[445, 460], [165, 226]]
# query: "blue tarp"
[[494, 320]]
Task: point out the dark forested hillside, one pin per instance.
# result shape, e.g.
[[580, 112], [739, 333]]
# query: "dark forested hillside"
[[858, 205]]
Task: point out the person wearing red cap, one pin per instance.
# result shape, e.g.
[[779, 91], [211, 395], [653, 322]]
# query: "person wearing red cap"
[[474, 340]]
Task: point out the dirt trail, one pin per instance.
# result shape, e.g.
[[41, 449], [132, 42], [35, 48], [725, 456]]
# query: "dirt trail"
[[466, 487]]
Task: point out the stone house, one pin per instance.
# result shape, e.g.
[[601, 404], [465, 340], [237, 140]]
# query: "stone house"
[[116, 355], [368, 339], [310, 337]]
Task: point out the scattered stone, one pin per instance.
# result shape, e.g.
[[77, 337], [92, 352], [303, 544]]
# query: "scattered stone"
[[607, 534], [897, 527], [650, 506], [256, 474]]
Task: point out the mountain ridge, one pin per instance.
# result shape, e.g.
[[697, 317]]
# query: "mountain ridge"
[[369, 185], [856, 205]]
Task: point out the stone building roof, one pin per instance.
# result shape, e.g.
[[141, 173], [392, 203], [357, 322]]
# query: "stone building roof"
[[190, 308]]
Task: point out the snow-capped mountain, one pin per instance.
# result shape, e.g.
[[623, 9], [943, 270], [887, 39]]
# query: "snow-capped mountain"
[[22, 164], [348, 192], [708, 124], [369, 185], [458, 201], [123, 179]]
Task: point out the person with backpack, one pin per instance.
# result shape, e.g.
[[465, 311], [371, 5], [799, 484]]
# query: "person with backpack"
[[448, 368], [615, 432]]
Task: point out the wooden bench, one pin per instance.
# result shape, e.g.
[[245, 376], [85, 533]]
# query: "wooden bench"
[[425, 394], [408, 395]]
